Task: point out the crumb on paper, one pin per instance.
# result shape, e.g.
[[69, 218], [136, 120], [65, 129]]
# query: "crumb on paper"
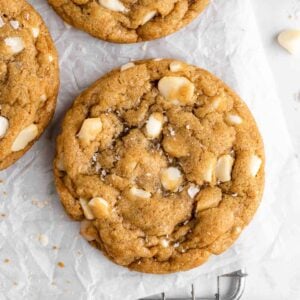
[[43, 239], [1, 180], [61, 264], [55, 247], [6, 261], [40, 204]]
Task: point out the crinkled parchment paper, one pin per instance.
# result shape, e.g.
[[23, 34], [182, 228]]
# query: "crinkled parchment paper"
[[36, 234]]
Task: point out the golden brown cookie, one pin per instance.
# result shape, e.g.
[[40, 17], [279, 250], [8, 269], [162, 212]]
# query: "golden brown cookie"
[[129, 21], [28, 79], [162, 163]]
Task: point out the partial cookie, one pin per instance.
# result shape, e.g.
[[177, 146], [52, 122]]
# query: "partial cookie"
[[28, 79], [162, 163], [128, 21]]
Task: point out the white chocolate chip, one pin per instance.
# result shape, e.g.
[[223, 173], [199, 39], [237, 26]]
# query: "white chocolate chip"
[[1, 22], [4, 124], [164, 243], [140, 193], [90, 129], [171, 178], [154, 125], [234, 119], [26, 136], [176, 66], [14, 24], [114, 5], [224, 168], [290, 40], [50, 58], [127, 66], [176, 89], [43, 239], [86, 209], [35, 32], [148, 16], [87, 231], [99, 207], [255, 164], [193, 191], [16, 44], [157, 59]]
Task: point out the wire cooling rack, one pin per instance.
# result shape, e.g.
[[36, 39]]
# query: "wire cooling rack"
[[238, 279]]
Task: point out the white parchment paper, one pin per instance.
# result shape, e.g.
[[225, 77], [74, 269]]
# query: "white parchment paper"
[[226, 42]]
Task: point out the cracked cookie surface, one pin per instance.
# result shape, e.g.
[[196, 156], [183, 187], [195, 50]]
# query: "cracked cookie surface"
[[162, 163], [28, 79], [129, 21]]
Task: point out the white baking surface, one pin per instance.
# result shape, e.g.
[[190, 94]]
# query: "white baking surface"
[[31, 208]]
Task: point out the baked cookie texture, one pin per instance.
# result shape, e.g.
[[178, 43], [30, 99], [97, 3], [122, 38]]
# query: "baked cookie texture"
[[129, 21], [162, 163], [28, 79]]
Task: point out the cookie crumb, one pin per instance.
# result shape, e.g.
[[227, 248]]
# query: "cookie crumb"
[[6, 261], [43, 239], [61, 264]]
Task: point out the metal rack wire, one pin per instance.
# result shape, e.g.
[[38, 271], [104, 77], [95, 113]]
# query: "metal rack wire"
[[238, 283]]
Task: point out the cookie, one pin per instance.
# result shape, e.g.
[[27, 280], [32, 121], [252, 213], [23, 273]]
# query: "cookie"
[[162, 163], [128, 21], [28, 79]]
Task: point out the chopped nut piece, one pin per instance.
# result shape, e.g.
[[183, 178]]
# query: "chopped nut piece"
[[14, 24], [171, 179], [90, 129], [224, 168], [88, 231], [86, 209], [208, 173], [154, 125], [234, 119], [140, 193], [114, 5], [209, 197], [290, 40], [26, 136], [178, 90], [4, 125], [99, 207], [255, 163], [127, 66]]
